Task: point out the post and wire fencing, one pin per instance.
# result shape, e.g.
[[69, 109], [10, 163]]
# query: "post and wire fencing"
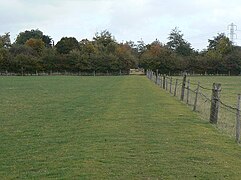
[[212, 109]]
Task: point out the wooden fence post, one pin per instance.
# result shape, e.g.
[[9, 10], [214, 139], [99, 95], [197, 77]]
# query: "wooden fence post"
[[175, 89], [196, 97], [160, 80], [157, 79], [171, 85], [188, 90], [238, 123], [215, 103], [164, 81], [183, 86], [156, 76]]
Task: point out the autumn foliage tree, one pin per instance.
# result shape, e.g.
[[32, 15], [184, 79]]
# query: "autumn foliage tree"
[[158, 56], [33, 52], [36, 44], [35, 34]]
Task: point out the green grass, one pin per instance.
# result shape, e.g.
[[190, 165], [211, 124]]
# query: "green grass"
[[231, 86], [106, 128]]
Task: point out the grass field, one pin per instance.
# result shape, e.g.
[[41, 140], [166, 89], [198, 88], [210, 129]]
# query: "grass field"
[[106, 128], [231, 86]]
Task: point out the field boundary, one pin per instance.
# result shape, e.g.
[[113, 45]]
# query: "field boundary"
[[224, 116], [67, 73]]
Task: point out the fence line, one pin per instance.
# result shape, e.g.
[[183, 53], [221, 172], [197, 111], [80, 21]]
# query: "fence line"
[[66, 73], [225, 117]]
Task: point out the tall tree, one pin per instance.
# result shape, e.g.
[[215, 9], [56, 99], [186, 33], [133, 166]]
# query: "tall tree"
[[159, 57], [178, 44], [67, 44], [26, 35], [48, 42], [221, 44], [35, 34], [104, 38], [141, 46], [5, 40]]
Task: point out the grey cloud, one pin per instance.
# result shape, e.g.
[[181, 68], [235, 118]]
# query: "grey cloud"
[[126, 19]]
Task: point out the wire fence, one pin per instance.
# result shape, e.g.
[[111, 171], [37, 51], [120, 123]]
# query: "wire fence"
[[209, 105]]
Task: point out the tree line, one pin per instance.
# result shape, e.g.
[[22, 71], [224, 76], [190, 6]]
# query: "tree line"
[[33, 51]]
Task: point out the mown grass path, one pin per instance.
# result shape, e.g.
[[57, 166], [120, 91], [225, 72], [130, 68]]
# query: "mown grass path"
[[106, 128]]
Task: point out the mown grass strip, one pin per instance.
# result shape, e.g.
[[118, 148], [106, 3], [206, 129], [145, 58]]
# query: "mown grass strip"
[[106, 128]]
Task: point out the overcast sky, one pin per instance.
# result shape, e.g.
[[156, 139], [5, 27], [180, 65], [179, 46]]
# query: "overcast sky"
[[199, 20]]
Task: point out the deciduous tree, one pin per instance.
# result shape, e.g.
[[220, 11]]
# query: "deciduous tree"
[[5, 41], [35, 34], [36, 44], [67, 44]]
